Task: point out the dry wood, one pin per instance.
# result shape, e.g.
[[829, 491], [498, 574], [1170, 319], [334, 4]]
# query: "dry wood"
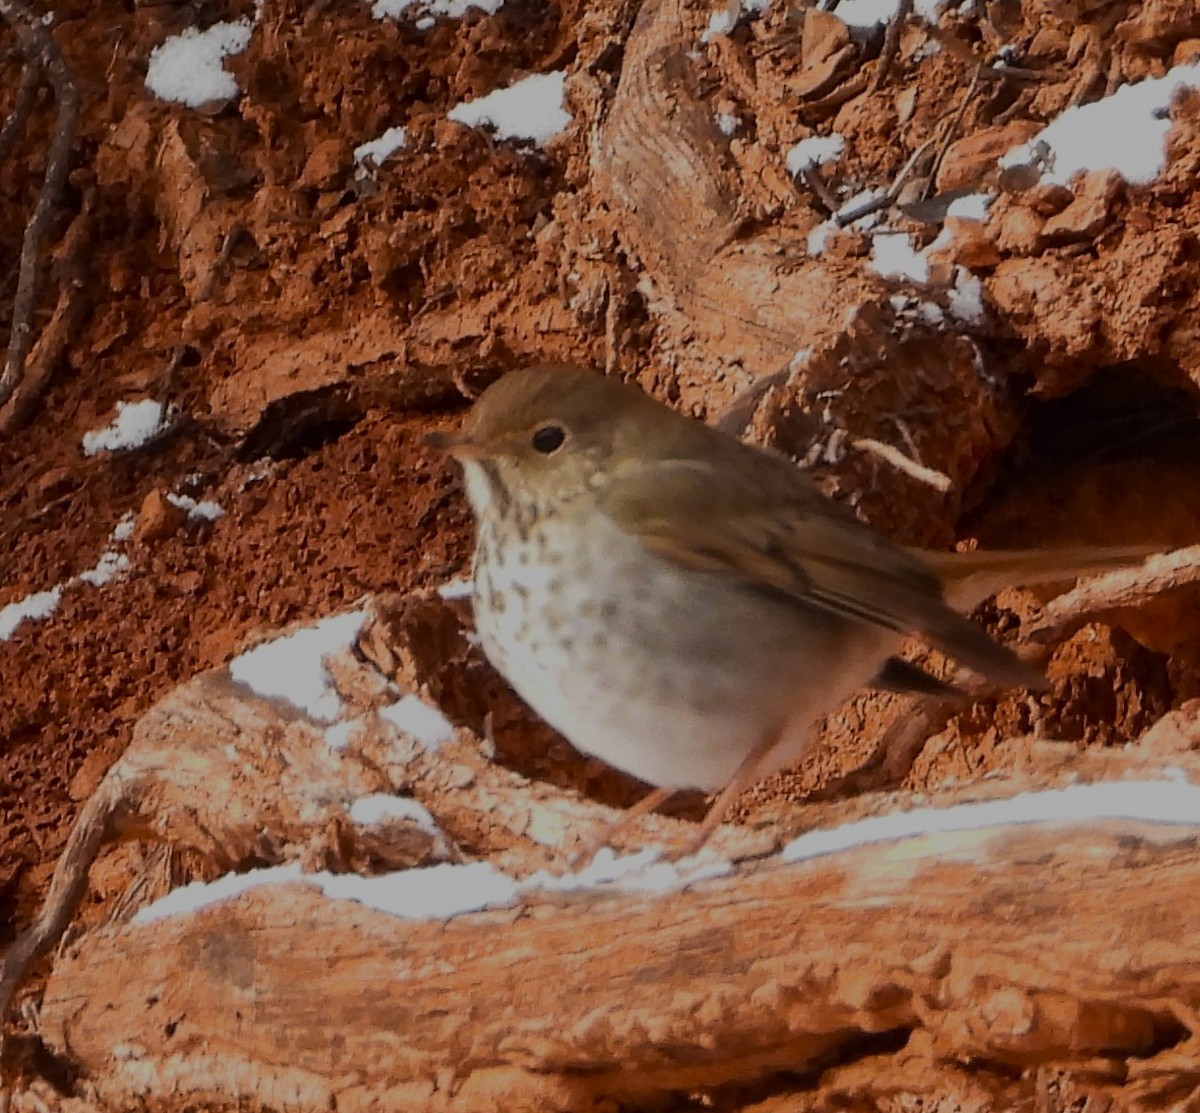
[[284, 998], [42, 51], [1128, 588], [31, 78], [660, 161]]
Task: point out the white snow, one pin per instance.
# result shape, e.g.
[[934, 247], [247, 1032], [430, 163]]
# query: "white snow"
[[816, 150], [871, 13], [966, 297], [187, 68], [379, 807], [1125, 132], [340, 735], [424, 724], [460, 588], [123, 530], [971, 206], [721, 22], [292, 668], [134, 425], [434, 893], [1151, 801], [451, 9], [206, 510], [530, 109], [442, 891], [39, 605], [642, 872], [892, 256], [110, 565], [379, 150]]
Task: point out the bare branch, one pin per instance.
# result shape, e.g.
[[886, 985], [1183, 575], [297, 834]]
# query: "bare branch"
[[1130, 587], [31, 78], [891, 45], [940, 481], [42, 51]]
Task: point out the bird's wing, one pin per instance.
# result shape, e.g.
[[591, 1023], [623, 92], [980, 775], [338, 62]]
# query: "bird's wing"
[[772, 531]]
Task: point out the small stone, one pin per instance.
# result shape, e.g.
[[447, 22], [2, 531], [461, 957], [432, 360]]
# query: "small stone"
[[1087, 215], [970, 245], [824, 36], [157, 518], [1049, 42], [327, 165], [1047, 199], [972, 158], [1186, 53], [1019, 230]]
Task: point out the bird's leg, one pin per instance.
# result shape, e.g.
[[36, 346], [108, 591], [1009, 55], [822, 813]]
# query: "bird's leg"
[[743, 778], [648, 803]]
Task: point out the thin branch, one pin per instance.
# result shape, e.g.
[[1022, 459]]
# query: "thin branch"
[[31, 78], [888, 197], [821, 191], [41, 50], [62, 327], [1131, 587], [930, 476], [952, 132], [891, 45]]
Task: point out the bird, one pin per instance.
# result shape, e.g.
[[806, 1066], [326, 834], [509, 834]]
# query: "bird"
[[685, 606]]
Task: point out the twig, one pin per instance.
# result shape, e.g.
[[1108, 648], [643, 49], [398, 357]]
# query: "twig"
[[888, 197], [60, 330], [816, 183], [1130, 587], [891, 45], [930, 476], [31, 78], [41, 50], [843, 93], [952, 131]]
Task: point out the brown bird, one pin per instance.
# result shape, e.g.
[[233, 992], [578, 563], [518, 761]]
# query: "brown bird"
[[685, 606]]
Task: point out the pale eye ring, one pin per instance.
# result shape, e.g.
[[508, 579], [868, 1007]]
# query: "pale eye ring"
[[548, 439]]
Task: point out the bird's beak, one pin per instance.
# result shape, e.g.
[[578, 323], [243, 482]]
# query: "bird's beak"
[[458, 445]]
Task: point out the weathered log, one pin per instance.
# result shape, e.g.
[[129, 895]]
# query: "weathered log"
[[976, 948]]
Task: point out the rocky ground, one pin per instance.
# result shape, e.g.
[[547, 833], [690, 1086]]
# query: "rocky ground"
[[304, 317]]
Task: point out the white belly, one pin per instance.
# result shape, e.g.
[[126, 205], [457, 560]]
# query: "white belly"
[[673, 676]]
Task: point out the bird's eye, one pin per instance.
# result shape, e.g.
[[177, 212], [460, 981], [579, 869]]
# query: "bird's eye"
[[548, 439]]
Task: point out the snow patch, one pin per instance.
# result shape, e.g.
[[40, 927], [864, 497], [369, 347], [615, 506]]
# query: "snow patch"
[[815, 151], [206, 510], [642, 872], [135, 424], [892, 256], [434, 893], [529, 109], [380, 807], [39, 605], [424, 724], [869, 14], [966, 297], [188, 68], [1151, 801], [110, 565], [971, 206], [340, 735], [292, 668], [449, 9], [460, 588], [1125, 132], [378, 151]]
